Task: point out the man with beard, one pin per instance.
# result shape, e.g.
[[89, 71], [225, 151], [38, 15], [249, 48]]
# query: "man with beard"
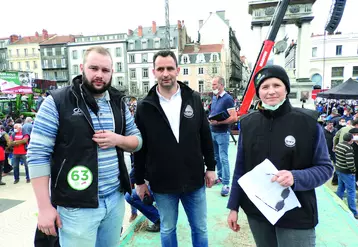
[[177, 145], [78, 139]]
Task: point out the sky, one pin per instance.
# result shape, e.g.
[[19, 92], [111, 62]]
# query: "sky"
[[109, 16]]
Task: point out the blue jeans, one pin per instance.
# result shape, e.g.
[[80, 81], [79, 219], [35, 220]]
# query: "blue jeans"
[[149, 211], [93, 227], [194, 204], [16, 163], [221, 149], [347, 181]]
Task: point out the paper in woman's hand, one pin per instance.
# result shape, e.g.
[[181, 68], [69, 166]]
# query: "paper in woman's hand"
[[272, 199]]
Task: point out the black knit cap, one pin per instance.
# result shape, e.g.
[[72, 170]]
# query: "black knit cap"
[[271, 71]]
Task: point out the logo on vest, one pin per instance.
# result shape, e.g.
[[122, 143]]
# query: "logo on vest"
[[79, 178], [290, 141], [188, 112], [77, 112]]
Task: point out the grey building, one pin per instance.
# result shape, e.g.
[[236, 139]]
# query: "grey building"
[[143, 43], [3, 54], [54, 59]]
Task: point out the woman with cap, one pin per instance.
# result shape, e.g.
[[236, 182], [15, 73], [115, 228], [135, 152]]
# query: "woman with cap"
[[294, 142]]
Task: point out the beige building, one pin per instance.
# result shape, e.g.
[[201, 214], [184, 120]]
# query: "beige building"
[[24, 53], [199, 64]]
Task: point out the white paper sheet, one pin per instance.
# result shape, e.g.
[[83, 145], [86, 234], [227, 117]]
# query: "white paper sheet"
[[257, 184]]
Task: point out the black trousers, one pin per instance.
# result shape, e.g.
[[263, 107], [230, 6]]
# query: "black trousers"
[[42, 240]]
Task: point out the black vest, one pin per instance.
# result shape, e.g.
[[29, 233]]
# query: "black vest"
[[286, 137], [74, 146]]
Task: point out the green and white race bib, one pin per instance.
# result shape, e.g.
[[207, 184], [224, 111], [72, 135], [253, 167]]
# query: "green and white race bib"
[[79, 178]]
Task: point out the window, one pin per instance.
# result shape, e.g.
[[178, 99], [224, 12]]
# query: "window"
[[27, 65], [74, 54], [55, 75], [35, 65], [19, 66], [36, 75], [186, 83], [118, 52], [145, 87], [45, 63], [171, 42], [185, 59], [131, 45], [144, 44], [118, 67], [185, 71], [214, 70], [337, 71], [157, 44], [145, 73], [53, 51], [215, 58], [355, 71], [338, 50], [75, 69], [120, 80], [17, 52], [45, 52], [314, 51], [132, 58], [144, 58], [9, 53], [83, 53], [133, 87], [335, 83], [132, 73], [201, 86], [54, 63], [46, 75], [11, 66], [201, 71], [25, 50], [63, 50], [63, 62], [33, 51]]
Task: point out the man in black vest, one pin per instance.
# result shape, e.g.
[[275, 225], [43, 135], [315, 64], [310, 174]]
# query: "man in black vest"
[[294, 142], [78, 139]]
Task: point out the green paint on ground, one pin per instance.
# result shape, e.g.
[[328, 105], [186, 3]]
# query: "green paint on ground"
[[337, 227]]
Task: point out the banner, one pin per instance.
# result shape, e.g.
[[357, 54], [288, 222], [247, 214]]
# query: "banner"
[[41, 86], [16, 82]]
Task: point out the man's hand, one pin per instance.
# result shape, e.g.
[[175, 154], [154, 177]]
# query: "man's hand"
[[232, 221], [47, 219], [106, 139], [209, 178], [142, 190], [284, 178], [214, 122]]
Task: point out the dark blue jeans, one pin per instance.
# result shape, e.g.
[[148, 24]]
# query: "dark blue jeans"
[[347, 182], [149, 211], [16, 163], [194, 204]]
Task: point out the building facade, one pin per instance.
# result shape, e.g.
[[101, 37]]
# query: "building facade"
[[114, 43], [24, 53], [143, 43], [199, 64], [3, 53], [54, 59], [216, 30], [334, 59]]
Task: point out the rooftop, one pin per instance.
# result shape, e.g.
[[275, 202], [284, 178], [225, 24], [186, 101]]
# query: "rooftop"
[[190, 48], [59, 40]]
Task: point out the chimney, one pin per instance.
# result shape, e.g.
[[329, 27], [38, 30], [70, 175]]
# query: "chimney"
[[154, 27], [130, 32], [196, 47], [179, 24], [28, 39], [201, 22], [13, 38], [140, 31], [44, 34], [37, 34]]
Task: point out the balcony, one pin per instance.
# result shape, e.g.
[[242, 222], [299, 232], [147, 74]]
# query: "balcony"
[[54, 67], [23, 56]]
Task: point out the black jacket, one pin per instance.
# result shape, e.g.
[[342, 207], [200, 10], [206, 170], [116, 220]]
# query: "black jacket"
[[287, 138], [173, 167], [74, 145]]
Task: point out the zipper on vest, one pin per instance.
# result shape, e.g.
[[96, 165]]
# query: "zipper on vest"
[[58, 175], [78, 106], [271, 122]]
